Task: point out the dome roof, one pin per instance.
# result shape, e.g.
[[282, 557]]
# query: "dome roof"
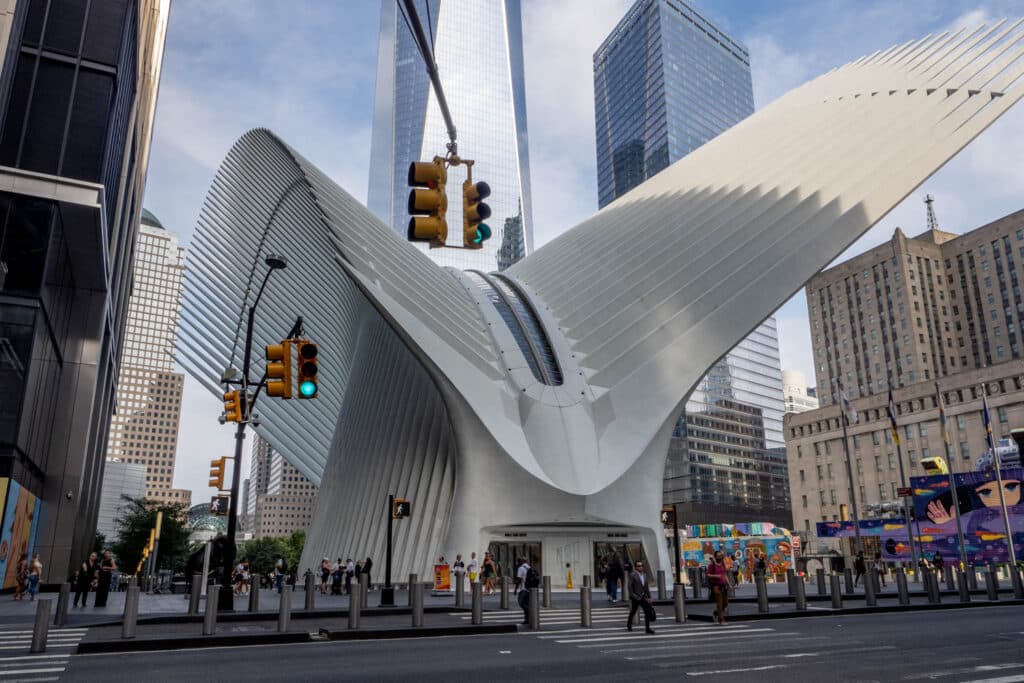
[[201, 519], [147, 218]]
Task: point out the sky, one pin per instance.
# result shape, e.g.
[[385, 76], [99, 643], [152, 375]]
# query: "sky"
[[306, 70]]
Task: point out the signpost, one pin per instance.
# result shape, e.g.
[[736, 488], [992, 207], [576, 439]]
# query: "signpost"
[[668, 518], [398, 508]]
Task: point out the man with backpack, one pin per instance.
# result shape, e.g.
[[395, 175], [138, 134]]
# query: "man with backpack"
[[528, 578]]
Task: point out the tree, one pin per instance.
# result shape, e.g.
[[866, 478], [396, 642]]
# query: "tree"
[[262, 553], [137, 518]]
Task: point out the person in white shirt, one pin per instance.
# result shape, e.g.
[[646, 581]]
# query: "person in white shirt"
[[472, 568], [458, 569], [523, 596]]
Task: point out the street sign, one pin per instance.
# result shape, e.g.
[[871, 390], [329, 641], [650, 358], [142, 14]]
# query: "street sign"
[[402, 509], [219, 505], [668, 516], [904, 492]]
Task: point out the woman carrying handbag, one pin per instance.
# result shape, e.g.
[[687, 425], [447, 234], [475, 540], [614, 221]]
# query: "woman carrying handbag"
[[718, 582]]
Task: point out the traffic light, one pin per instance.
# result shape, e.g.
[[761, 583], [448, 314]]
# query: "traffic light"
[[233, 406], [307, 370], [401, 509], [474, 212], [217, 473], [219, 505], [668, 515], [428, 202], [279, 369]]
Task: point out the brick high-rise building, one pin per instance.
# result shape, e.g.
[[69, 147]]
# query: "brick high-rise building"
[[279, 499]]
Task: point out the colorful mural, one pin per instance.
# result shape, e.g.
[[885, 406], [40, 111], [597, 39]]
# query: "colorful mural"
[[778, 549], [17, 537], [934, 523]]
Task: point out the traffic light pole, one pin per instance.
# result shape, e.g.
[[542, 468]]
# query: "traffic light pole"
[[387, 593], [676, 573]]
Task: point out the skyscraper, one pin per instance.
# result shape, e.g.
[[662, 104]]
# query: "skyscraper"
[[478, 47], [78, 90], [666, 81], [279, 498], [144, 429]]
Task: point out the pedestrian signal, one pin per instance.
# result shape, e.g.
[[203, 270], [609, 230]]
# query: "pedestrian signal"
[[401, 509]]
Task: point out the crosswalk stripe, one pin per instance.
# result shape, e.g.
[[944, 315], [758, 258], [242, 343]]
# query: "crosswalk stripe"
[[1002, 679], [61, 630], [19, 672], [37, 657], [719, 672], [700, 645], [640, 635], [672, 627], [22, 647]]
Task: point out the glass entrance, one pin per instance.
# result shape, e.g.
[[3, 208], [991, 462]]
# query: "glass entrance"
[[628, 554], [505, 555]]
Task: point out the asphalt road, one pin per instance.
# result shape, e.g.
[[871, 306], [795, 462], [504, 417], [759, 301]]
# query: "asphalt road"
[[958, 645]]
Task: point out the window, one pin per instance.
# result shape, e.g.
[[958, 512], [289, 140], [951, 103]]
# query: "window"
[[892, 461], [965, 450], [882, 493], [878, 463], [895, 493], [961, 423], [1003, 417], [820, 477], [923, 429], [909, 431], [856, 441], [925, 453], [912, 455], [874, 438], [802, 476], [804, 500], [830, 471], [860, 466], [832, 495]]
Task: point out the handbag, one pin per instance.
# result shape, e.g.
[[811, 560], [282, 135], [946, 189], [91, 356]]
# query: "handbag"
[[649, 612]]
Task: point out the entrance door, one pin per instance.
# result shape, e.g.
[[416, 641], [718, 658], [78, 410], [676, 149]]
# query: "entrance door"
[[628, 553], [505, 554]]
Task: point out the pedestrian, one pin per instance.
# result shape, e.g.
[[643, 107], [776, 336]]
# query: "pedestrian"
[[602, 576], [108, 564], [615, 574], [367, 566], [280, 573], [718, 582], [880, 568], [737, 568], [458, 568], [472, 569], [21, 577], [859, 567], [35, 575], [325, 575], [526, 578], [760, 566], [490, 573], [85, 579], [238, 580], [938, 564], [336, 577], [639, 597], [350, 571]]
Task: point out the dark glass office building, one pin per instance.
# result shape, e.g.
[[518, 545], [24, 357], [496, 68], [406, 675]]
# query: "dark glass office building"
[[77, 95], [667, 80]]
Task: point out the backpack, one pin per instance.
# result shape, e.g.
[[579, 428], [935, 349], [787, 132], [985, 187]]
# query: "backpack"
[[532, 578]]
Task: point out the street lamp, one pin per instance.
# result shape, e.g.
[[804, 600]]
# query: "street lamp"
[[226, 602]]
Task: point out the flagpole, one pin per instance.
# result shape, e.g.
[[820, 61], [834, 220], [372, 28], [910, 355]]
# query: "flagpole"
[[903, 482], [952, 480], [987, 415], [849, 467]]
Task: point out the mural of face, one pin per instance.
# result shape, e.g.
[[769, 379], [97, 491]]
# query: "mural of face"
[[989, 493]]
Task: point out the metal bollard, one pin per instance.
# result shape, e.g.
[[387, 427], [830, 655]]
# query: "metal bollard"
[[961, 580], [661, 585], [1018, 588], [901, 587], [193, 598], [62, 605], [310, 591], [413, 579], [695, 582], [355, 602], [416, 595], [588, 581], [254, 597], [546, 583], [364, 591], [504, 592], [534, 609], [585, 612], [992, 584], [876, 580], [972, 578], [947, 573], [820, 576], [284, 612], [679, 600], [869, 591], [210, 618], [460, 586], [932, 581], [477, 592], [762, 594], [790, 580], [801, 594], [848, 580], [131, 612], [42, 626], [837, 594]]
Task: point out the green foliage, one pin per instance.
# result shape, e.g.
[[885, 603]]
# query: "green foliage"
[[137, 518], [262, 553], [99, 543]]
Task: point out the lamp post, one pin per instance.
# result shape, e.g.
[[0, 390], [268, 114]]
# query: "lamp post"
[[226, 602]]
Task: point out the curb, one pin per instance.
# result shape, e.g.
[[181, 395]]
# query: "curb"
[[857, 610], [420, 632]]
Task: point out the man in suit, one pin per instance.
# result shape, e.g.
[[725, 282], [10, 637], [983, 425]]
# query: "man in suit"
[[639, 597]]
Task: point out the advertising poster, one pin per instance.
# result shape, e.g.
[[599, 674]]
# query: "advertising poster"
[[442, 577], [18, 522]]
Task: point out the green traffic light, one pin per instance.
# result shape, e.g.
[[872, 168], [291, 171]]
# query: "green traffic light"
[[307, 388]]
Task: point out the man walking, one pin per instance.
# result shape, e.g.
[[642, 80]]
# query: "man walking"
[[527, 578], [859, 568], [639, 597]]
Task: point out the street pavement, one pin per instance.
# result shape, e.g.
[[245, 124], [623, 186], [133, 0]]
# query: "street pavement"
[[977, 645]]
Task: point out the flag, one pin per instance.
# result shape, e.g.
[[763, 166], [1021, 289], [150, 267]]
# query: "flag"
[[848, 409], [987, 421], [942, 415], [892, 419]]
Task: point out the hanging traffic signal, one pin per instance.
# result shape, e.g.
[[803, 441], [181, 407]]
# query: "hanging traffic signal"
[[474, 212], [428, 202], [307, 369], [279, 369], [233, 409], [217, 473]]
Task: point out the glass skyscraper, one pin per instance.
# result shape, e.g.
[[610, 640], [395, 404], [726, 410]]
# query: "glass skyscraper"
[[478, 47], [666, 80]]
